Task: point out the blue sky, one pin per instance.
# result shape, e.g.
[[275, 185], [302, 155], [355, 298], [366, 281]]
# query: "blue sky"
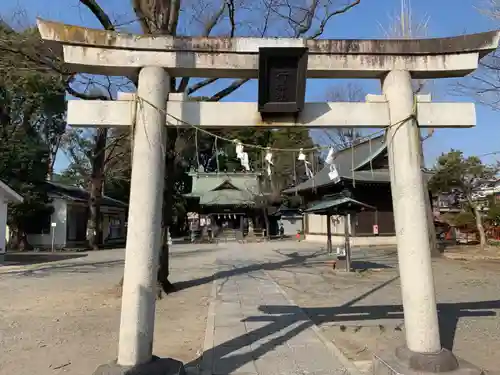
[[446, 18]]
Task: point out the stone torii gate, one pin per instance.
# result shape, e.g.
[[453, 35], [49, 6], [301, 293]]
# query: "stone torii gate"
[[394, 62]]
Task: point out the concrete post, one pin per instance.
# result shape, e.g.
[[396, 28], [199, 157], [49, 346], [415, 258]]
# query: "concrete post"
[[417, 283], [329, 233], [144, 224], [347, 241]]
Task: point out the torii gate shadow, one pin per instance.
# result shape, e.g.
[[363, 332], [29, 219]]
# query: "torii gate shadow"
[[229, 355], [293, 259], [449, 314]]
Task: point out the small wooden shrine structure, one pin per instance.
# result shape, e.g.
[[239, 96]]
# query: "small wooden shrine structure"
[[363, 172], [227, 201]]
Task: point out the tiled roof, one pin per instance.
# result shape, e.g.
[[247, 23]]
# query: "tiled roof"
[[225, 188], [347, 160], [9, 193], [338, 204], [77, 194], [349, 163]]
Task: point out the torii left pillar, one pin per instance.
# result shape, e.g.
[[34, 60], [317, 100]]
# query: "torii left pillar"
[[144, 225]]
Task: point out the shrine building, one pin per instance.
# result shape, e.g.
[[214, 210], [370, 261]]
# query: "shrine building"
[[364, 174]]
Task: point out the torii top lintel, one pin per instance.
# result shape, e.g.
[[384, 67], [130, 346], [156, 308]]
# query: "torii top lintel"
[[106, 52]]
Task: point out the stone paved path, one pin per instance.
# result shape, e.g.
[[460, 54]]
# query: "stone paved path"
[[254, 329]]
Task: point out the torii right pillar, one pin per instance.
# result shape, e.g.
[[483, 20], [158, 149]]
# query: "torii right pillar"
[[423, 352]]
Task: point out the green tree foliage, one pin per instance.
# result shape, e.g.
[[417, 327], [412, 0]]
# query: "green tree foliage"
[[24, 166], [454, 172], [32, 111], [79, 144]]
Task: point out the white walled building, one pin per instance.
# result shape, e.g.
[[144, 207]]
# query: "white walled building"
[[7, 195], [70, 217]]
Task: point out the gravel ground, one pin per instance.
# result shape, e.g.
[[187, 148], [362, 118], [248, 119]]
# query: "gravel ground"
[[361, 312], [64, 317]]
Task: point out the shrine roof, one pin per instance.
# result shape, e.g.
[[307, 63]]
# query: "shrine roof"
[[9, 194], [78, 194], [224, 189], [352, 163], [338, 206], [348, 160], [224, 198]]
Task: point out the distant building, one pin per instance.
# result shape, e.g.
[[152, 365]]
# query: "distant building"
[[364, 173], [447, 202], [453, 202], [68, 223], [7, 195], [230, 202]]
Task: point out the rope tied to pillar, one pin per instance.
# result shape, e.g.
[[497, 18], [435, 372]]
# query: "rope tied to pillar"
[[412, 116]]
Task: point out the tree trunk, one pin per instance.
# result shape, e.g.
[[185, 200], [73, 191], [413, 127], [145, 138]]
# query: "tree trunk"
[[96, 184], [266, 222], [168, 202], [164, 267], [50, 169], [21, 241], [480, 227]]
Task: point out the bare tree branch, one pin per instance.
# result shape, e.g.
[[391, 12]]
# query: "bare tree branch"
[[301, 27], [99, 14], [230, 8], [200, 85], [344, 137], [209, 26], [235, 85], [327, 18]]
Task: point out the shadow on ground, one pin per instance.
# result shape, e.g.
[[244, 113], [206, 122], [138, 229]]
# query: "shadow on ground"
[[80, 265], [449, 314], [51, 268], [233, 354], [363, 265], [28, 258], [292, 260]]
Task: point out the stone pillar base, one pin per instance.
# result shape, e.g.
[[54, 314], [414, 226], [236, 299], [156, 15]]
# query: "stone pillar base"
[[2, 258], [157, 366], [405, 362]]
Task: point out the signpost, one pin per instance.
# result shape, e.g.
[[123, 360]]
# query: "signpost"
[[53, 227]]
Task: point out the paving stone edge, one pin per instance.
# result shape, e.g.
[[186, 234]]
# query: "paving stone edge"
[[207, 359], [334, 350]]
